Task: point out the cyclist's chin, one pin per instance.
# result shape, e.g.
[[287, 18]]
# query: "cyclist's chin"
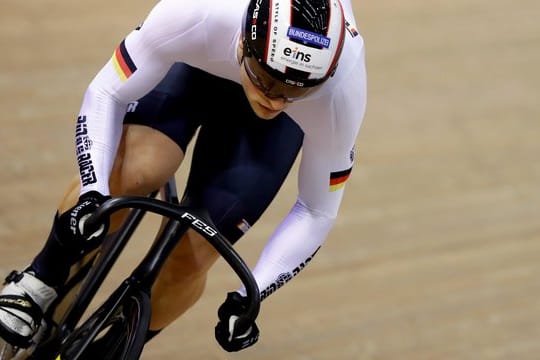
[[264, 112]]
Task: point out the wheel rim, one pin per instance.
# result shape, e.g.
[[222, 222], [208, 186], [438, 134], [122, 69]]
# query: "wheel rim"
[[115, 339]]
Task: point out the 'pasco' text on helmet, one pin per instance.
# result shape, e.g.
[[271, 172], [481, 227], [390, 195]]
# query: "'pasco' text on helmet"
[[254, 19]]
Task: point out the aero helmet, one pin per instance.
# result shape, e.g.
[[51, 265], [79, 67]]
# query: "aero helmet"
[[292, 46]]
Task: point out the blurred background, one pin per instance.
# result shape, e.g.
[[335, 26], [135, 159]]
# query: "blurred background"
[[436, 253]]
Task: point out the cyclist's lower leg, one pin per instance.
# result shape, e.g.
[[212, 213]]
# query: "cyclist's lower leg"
[[145, 160], [182, 280]]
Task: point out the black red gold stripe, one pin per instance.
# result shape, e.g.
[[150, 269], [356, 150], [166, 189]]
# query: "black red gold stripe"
[[338, 179], [124, 65]]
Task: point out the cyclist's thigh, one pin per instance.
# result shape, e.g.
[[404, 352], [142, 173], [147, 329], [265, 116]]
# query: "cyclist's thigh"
[[239, 164], [158, 128], [145, 160], [174, 107]]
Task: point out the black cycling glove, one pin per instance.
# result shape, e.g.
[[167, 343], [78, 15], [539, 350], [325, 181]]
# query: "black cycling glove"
[[231, 334], [73, 220]]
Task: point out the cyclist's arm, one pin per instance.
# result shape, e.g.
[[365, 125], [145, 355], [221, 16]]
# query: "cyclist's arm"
[[290, 248], [299, 236], [136, 66], [327, 159]]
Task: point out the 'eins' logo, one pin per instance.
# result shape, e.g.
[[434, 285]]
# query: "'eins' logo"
[[297, 55]]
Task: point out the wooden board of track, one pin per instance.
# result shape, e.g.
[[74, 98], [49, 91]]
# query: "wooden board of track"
[[436, 251]]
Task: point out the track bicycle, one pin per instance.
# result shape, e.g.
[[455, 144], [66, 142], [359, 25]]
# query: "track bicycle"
[[117, 329]]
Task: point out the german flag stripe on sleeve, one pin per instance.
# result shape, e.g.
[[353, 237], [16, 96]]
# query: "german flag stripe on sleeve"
[[122, 62], [338, 179]]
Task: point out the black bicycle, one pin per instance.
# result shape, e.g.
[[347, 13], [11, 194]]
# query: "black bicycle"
[[117, 329]]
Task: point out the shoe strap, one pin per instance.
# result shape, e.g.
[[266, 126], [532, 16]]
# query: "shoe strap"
[[24, 304]]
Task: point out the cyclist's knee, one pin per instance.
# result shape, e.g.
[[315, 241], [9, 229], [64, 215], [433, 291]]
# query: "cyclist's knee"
[[136, 179], [190, 261], [181, 269]]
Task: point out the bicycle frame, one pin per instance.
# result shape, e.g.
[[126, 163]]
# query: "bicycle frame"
[[180, 219]]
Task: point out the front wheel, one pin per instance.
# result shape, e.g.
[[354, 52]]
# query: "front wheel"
[[116, 331]]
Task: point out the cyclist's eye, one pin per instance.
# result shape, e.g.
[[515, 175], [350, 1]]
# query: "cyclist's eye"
[[265, 85], [259, 83], [276, 96]]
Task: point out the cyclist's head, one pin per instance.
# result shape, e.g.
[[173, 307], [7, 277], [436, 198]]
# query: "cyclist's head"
[[291, 47]]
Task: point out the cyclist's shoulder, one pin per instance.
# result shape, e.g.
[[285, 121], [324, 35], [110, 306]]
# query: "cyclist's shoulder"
[[174, 13], [186, 27], [341, 98], [335, 113], [201, 7]]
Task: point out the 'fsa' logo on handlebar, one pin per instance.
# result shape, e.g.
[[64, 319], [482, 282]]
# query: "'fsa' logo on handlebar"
[[199, 224]]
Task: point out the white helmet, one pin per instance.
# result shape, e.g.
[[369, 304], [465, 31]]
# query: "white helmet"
[[292, 46]]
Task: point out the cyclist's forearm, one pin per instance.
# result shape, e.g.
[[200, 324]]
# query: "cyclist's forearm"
[[97, 135], [290, 248]]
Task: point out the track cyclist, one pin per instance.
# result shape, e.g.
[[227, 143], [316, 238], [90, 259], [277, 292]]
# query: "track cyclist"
[[258, 81]]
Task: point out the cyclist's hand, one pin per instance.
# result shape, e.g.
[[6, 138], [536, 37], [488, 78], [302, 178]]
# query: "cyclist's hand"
[[74, 219], [231, 334]]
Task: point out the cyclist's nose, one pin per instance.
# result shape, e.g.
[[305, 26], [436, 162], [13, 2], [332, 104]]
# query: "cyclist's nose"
[[277, 103]]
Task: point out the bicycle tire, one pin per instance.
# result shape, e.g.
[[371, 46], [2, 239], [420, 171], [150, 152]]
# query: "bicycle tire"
[[111, 334]]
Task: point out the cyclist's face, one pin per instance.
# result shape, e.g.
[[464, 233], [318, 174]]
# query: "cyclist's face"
[[264, 106]]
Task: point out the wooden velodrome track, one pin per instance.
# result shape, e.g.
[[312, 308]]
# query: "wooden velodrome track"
[[436, 254]]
